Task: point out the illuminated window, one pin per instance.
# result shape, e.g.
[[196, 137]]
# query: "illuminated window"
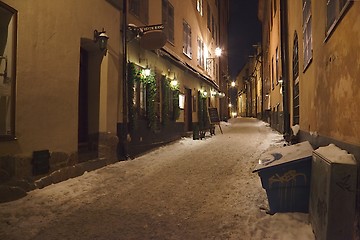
[[307, 32], [7, 71]]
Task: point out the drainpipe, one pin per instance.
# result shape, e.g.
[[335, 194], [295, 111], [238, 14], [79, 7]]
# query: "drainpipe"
[[284, 65], [123, 153]]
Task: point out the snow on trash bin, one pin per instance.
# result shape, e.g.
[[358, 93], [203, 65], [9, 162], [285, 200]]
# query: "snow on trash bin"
[[285, 174]]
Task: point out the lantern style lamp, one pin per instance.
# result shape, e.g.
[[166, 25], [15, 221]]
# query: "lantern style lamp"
[[101, 38]]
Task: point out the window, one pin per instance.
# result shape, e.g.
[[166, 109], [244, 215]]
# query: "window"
[[275, 7], [277, 66], [140, 8], [168, 20], [335, 10], [271, 13], [272, 73], [212, 26], [307, 32], [186, 39], [200, 52], [208, 17], [199, 6], [142, 99], [296, 102], [7, 71]]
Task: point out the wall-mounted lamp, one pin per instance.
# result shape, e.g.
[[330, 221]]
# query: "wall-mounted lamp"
[[102, 39], [210, 61], [203, 92], [146, 72], [218, 52], [174, 83], [233, 84]]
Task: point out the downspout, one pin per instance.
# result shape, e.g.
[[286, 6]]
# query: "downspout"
[[284, 64], [123, 148]]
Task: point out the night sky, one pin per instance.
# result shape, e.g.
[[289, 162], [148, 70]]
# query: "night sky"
[[244, 31]]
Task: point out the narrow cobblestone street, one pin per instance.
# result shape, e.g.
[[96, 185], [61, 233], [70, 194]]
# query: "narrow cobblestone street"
[[190, 189]]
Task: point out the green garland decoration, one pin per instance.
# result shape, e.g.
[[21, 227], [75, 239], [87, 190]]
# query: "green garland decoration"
[[151, 93], [132, 78], [165, 113], [135, 76], [176, 113]]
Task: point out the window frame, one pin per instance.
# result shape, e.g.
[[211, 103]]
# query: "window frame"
[[187, 48], [140, 9], [200, 53], [168, 20], [307, 33], [339, 13], [9, 134], [272, 74], [199, 6], [296, 80], [277, 67], [208, 17]]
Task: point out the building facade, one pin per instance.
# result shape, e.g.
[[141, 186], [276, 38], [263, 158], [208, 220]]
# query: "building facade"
[[187, 73], [309, 48], [73, 85], [57, 85]]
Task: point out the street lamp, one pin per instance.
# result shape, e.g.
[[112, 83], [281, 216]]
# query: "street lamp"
[[210, 61]]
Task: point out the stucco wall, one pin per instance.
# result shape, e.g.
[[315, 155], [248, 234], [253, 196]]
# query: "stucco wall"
[[48, 50]]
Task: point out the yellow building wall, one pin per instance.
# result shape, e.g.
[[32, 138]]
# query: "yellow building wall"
[[183, 10], [328, 96], [336, 76], [49, 35]]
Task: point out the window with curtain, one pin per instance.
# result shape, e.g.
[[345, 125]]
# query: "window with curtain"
[[335, 10], [200, 52], [307, 32], [168, 20], [186, 39], [7, 71]]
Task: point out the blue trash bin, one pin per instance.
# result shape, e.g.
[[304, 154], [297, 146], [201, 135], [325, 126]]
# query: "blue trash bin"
[[285, 174]]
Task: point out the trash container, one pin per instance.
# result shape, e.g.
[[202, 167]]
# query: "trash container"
[[285, 174]]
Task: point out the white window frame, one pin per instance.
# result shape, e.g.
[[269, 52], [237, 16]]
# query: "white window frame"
[[199, 6], [187, 39], [307, 32]]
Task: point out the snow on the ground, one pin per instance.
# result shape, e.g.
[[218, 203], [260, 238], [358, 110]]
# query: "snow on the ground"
[[190, 189]]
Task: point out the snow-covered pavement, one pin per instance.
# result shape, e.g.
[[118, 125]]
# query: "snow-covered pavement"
[[190, 189]]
